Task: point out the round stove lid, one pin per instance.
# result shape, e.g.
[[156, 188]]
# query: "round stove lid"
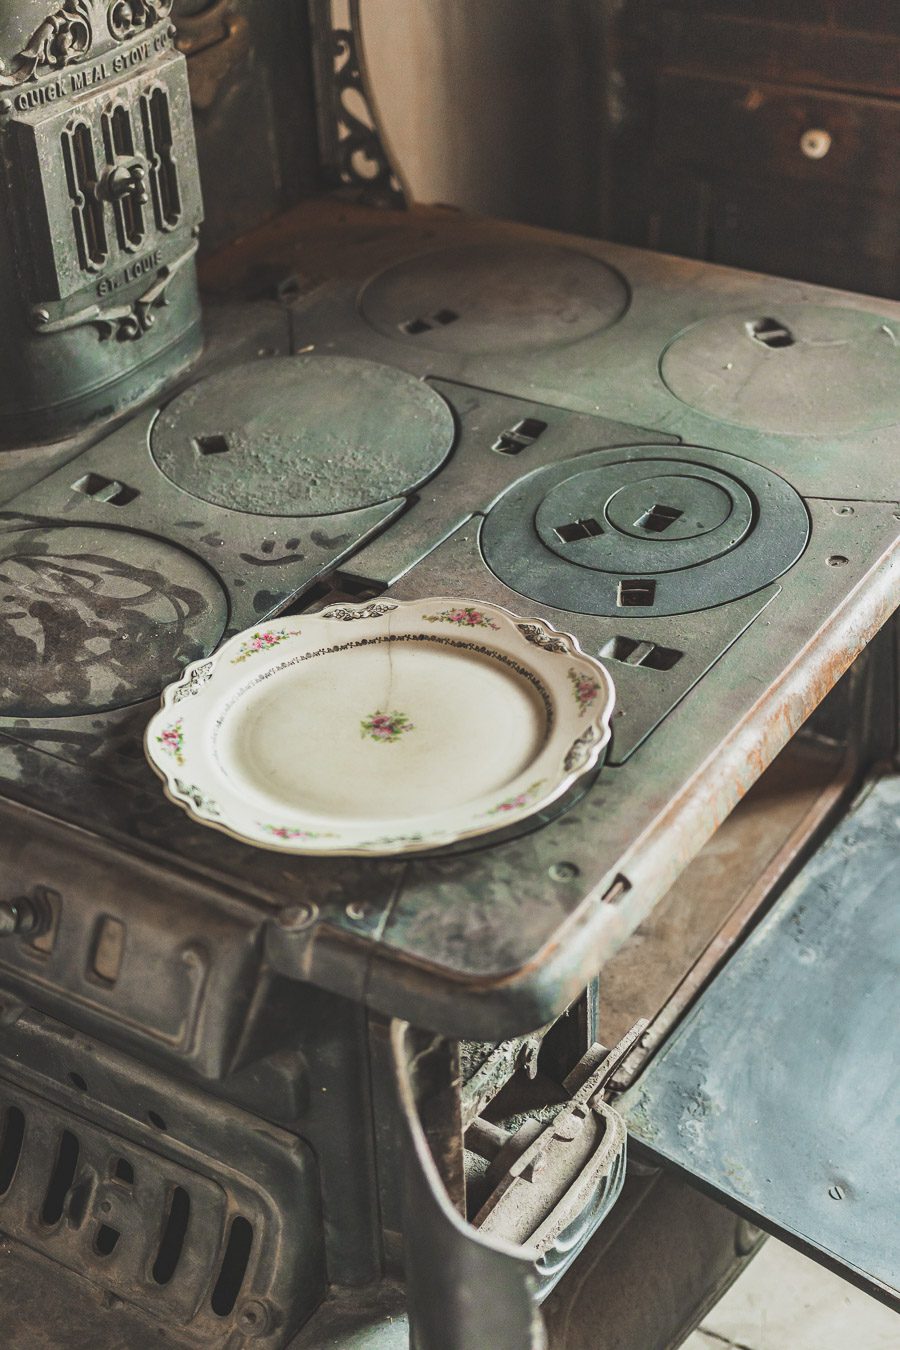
[[495, 297], [303, 436], [800, 370], [98, 618], [652, 515], [643, 531]]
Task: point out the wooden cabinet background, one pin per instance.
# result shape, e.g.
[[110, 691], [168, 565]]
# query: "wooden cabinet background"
[[759, 133]]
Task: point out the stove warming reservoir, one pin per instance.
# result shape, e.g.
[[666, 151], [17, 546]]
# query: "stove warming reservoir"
[[101, 207]]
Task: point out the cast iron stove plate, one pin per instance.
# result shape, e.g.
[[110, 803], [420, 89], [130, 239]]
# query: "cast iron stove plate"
[[303, 436], [801, 370], [645, 531], [509, 297], [91, 620]]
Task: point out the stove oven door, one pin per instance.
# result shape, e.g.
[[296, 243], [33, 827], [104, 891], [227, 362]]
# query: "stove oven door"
[[779, 1094]]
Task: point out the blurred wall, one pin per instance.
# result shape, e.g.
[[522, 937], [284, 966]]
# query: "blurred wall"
[[494, 105]]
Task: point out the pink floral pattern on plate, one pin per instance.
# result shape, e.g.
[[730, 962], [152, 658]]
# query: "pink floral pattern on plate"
[[286, 832], [171, 740], [518, 801], [262, 641], [466, 616], [385, 726], [585, 687]]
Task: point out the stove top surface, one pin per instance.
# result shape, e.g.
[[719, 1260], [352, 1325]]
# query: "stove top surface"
[[497, 414]]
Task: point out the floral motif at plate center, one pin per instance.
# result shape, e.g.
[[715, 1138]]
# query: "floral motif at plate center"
[[383, 726]]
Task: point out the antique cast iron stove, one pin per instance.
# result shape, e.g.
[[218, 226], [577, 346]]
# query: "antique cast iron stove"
[[213, 1132]]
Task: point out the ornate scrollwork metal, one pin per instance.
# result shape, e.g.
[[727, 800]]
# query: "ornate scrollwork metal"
[[351, 143], [127, 18], [127, 322], [64, 36]]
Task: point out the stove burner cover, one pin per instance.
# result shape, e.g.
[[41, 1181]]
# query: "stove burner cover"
[[97, 618], [495, 297], [648, 530], [798, 370], [654, 518], [303, 436]]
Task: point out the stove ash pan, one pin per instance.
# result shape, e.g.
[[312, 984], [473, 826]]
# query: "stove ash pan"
[[97, 241]]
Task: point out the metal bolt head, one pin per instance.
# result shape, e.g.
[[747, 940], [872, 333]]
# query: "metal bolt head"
[[357, 910], [41, 315], [564, 871], [253, 1319], [293, 918], [836, 1191]]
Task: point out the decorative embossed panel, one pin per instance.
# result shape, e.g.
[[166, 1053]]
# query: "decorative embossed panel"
[[106, 219]]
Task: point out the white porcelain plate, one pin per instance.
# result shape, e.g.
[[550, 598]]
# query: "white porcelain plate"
[[386, 727]]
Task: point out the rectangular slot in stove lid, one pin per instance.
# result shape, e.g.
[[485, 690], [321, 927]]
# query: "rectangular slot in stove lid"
[[634, 592], [641, 652]]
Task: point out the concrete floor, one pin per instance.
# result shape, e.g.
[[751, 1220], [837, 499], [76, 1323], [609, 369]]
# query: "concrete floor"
[[785, 1302]]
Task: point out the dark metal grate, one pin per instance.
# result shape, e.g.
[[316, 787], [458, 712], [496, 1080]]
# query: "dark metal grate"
[[191, 1250]]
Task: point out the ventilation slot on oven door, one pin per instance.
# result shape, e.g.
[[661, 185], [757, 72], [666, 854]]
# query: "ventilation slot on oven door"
[[234, 1267], [193, 1249], [62, 1178], [11, 1147]]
